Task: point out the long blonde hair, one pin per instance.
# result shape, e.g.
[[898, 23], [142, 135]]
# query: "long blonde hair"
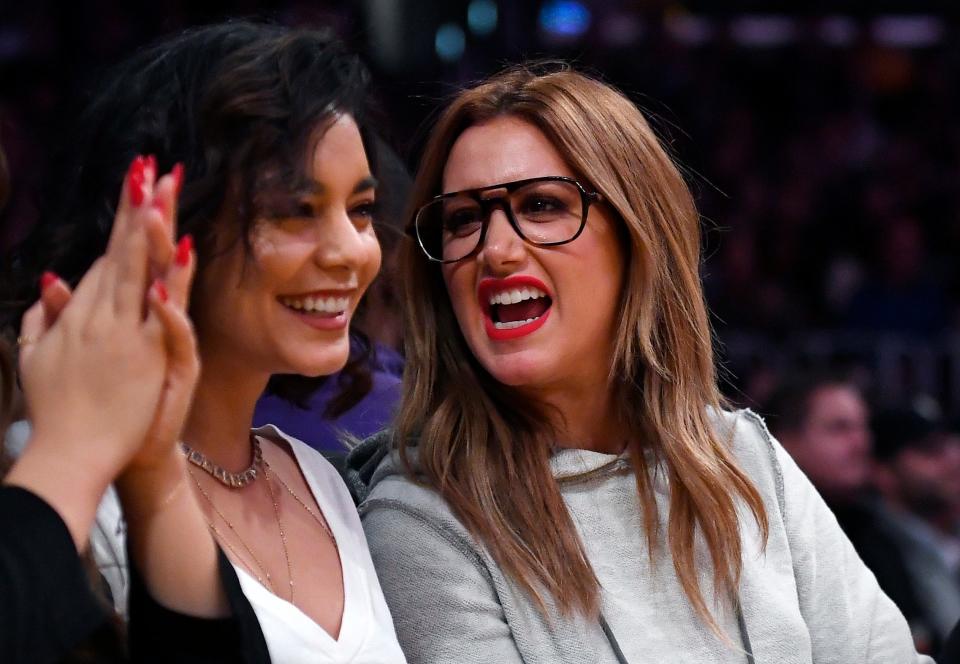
[[486, 450]]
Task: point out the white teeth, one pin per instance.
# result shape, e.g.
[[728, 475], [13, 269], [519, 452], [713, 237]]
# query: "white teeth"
[[329, 305], [513, 324], [516, 295]]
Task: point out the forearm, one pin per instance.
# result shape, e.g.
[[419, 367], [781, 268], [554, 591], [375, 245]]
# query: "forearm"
[[70, 486], [169, 540]]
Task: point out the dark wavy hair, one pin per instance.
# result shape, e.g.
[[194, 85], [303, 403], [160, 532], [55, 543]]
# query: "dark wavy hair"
[[239, 104]]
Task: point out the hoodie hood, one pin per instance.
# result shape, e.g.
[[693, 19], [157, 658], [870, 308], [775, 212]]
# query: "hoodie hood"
[[376, 458], [371, 461]]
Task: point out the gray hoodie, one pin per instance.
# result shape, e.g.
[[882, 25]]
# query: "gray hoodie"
[[806, 598]]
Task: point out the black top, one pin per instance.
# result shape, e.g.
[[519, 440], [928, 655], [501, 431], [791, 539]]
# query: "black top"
[[49, 613], [951, 651]]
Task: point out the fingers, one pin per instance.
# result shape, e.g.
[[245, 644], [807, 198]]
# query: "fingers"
[[166, 194], [177, 332], [124, 283], [86, 293], [32, 327], [54, 295], [180, 275], [157, 221], [160, 248], [133, 195], [161, 234], [125, 280]]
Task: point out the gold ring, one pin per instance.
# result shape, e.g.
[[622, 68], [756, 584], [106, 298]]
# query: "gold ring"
[[26, 340]]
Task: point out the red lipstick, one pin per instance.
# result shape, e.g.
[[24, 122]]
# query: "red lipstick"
[[487, 287]]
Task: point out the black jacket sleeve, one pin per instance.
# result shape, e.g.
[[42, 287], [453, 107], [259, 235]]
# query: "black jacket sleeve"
[[46, 604], [158, 634]]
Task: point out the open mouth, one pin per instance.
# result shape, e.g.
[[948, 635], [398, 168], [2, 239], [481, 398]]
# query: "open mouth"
[[511, 309], [514, 307]]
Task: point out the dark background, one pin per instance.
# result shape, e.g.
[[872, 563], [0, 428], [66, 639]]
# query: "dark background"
[[823, 146]]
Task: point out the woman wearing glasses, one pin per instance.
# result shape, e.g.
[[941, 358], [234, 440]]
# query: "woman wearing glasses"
[[563, 484]]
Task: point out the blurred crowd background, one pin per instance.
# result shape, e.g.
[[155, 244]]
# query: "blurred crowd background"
[[824, 151]]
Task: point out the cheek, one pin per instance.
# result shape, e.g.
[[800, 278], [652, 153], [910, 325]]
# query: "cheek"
[[274, 259], [458, 282], [372, 261]]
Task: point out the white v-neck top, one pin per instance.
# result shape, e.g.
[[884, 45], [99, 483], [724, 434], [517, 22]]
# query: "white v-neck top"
[[367, 635]]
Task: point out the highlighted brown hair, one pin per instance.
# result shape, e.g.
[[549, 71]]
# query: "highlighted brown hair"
[[486, 449]]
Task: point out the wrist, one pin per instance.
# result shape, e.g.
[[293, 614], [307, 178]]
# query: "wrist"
[[71, 491], [92, 455], [147, 488]]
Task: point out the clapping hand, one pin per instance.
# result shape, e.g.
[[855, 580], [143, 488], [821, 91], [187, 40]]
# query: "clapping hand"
[[108, 370]]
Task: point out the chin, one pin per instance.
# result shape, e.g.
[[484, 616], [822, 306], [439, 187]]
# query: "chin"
[[322, 364], [515, 371]]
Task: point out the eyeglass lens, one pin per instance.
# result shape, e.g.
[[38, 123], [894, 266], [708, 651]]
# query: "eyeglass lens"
[[546, 212]]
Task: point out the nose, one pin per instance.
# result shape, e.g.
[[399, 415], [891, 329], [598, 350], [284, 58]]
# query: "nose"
[[502, 247], [339, 245]]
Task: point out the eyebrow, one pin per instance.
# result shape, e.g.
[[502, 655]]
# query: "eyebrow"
[[318, 189]]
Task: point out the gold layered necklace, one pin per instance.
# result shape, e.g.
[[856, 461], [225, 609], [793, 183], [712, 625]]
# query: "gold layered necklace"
[[257, 569]]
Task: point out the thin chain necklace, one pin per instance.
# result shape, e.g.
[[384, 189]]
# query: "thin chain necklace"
[[283, 535], [319, 518], [220, 538], [261, 462]]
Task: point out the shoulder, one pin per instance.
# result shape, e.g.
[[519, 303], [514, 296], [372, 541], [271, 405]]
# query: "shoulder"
[[757, 452], [400, 514]]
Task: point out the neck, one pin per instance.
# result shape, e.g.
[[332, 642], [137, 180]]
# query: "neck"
[[590, 419], [219, 422]]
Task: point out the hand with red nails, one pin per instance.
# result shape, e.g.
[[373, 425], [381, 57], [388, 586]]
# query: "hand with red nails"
[[109, 378]]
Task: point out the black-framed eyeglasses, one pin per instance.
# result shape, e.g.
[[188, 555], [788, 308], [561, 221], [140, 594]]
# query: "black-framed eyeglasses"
[[544, 211]]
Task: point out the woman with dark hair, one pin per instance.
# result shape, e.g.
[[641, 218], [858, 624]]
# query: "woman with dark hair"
[[563, 483], [279, 197]]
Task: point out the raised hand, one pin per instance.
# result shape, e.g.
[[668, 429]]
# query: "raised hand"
[[93, 372], [183, 365]]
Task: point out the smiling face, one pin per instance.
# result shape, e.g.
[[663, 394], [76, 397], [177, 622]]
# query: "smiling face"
[[287, 307], [538, 318]]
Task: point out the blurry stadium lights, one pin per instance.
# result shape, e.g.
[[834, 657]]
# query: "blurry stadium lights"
[[763, 31], [564, 19], [688, 29], [908, 31], [482, 17], [450, 42], [621, 28], [838, 30]]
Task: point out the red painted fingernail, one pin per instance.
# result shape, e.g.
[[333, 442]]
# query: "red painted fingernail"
[[151, 163], [135, 180], [177, 173], [47, 279], [161, 289], [184, 247]]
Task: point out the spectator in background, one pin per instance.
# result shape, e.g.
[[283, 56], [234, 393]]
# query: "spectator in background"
[[918, 465], [823, 421], [903, 296]]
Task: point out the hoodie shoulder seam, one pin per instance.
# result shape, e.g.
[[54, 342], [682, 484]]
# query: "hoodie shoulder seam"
[[771, 449]]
